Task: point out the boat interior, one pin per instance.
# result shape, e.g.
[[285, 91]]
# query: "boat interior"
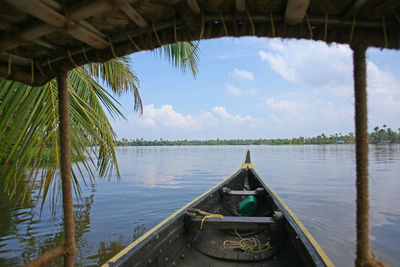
[[239, 223]]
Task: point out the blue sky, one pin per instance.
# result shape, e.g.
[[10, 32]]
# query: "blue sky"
[[259, 88]]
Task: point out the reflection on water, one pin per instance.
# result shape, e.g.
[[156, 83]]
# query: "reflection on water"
[[316, 182], [105, 251]]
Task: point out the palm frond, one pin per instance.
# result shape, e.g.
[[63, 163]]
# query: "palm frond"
[[117, 74], [184, 56], [29, 124], [31, 137]]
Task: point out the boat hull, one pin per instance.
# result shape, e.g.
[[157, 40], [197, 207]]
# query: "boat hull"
[[186, 238]]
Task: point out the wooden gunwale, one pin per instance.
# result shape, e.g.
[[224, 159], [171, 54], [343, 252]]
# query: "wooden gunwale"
[[134, 246], [316, 253]]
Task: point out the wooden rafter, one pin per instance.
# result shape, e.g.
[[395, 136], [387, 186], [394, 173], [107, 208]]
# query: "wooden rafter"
[[295, 11], [194, 6], [133, 15], [240, 5], [79, 14], [45, 44], [84, 24], [60, 60], [53, 18], [15, 59], [355, 9], [359, 4]]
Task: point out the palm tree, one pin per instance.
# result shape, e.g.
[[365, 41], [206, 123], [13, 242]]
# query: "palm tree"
[[30, 127], [29, 123]]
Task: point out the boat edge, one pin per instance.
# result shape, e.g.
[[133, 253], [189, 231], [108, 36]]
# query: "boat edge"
[[310, 238], [111, 262]]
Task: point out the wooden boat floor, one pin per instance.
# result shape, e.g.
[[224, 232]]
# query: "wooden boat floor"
[[284, 257], [211, 243]]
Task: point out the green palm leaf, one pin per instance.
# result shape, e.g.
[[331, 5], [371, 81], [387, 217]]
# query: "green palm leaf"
[[184, 56], [29, 129]]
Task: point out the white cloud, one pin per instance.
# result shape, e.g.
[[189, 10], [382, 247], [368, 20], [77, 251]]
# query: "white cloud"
[[232, 90], [242, 74], [325, 72], [226, 117], [166, 122], [383, 96], [381, 82], [282, 105], [167, 116], [253, 91], [308, 62], [279, 64], [288, 109], [304, 111], [314, 96]]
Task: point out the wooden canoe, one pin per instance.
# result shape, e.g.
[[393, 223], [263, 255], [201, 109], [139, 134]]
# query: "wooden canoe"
[[212, 230]]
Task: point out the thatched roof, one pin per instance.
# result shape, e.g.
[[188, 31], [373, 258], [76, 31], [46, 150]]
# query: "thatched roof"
[[41, 38]]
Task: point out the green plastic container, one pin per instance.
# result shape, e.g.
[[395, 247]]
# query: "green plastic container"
[[247, 205]]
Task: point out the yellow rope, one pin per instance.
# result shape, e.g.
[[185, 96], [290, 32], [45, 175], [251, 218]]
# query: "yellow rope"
[[84, 55], [309, 27], [175, 35], [210, 216], [384, 32], [223, 24], [353, 26], [250, 245], [70, 58], [326, 27], [9, 64], [155, 32], [111, 47], [202, 27], [272, 24], [48, 63], [252, 24], [33, 70], [133, 42]]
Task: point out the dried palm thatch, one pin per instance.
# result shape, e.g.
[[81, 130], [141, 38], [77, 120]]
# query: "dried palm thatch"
[[41, 38]]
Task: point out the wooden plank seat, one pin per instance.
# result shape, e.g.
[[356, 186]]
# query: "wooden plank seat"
[[228, 191], [230, 222]]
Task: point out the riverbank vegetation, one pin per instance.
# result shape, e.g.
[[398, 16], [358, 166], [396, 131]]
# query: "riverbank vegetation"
[[378, 136]]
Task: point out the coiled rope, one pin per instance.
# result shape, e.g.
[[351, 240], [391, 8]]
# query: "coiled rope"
[[249, 245]]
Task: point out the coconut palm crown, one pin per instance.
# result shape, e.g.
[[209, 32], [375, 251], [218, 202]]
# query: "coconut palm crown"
[[29, 124]]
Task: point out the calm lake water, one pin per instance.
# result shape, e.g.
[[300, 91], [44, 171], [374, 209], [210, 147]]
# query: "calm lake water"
[[315, 181]]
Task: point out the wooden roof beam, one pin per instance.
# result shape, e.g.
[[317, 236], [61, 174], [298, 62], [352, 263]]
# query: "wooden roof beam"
[[240, 5], [52, 17], [45, 44], [79, 14], [56, 6], [133, 14], [295, 11], [15, 59], [353, 11], [194, 6]]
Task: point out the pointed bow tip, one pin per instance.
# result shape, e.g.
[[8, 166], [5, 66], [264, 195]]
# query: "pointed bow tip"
[[247, 163]]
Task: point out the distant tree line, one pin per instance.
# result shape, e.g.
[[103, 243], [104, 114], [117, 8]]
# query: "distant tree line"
[[378, 136]]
